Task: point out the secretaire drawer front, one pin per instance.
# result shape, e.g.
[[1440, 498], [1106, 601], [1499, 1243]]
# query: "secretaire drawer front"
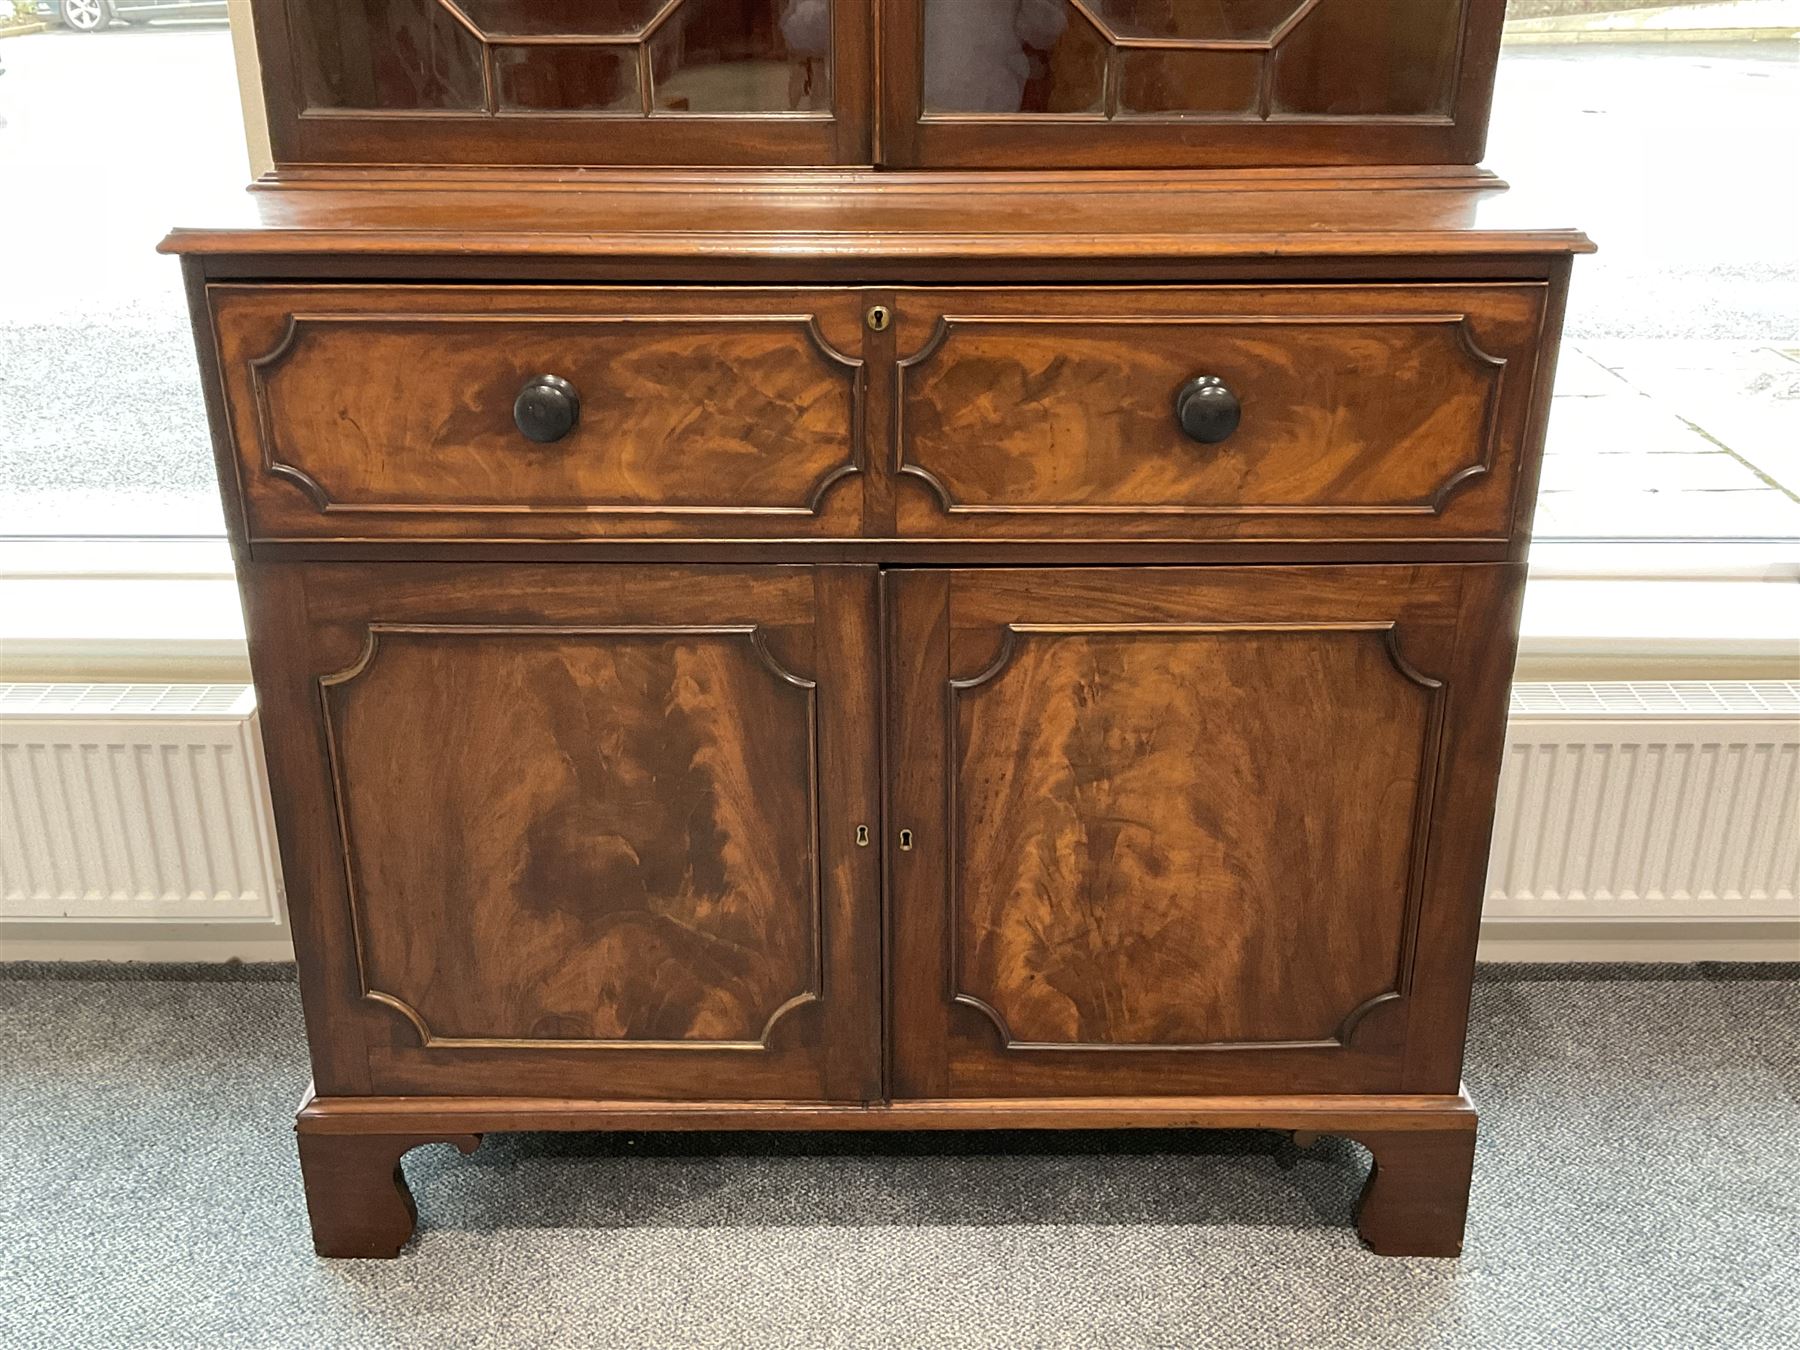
[[543, 412], [1227, 412]]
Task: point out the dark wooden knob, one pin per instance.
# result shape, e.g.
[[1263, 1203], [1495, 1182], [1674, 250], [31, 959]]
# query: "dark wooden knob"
[[547, 408], [1207, 409]]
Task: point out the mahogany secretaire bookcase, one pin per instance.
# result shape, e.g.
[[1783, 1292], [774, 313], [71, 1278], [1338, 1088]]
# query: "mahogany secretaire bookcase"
[[855, 564]]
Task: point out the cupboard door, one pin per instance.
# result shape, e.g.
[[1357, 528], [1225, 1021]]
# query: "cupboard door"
[[605, 82], [1190, 831], [1187, 83], [580, 831]]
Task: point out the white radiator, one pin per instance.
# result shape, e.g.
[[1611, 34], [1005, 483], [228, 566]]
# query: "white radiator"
[[1649, 801], [135, 817], [137, 802]]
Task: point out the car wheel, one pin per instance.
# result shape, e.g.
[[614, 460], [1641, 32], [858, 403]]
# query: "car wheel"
[[86, 16]]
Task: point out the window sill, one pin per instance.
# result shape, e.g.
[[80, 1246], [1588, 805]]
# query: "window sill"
[[97, 629], [1654, 628]]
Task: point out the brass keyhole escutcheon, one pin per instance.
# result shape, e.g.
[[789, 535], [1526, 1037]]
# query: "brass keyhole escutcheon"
[[862, 836], [879, 318], [906, 841]]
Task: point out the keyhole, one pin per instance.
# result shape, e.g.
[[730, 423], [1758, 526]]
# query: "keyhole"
[[879, 318], [862, 836], [906, 841]]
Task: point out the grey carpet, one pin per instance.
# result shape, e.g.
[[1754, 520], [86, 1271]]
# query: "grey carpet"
[[1638, 1185]]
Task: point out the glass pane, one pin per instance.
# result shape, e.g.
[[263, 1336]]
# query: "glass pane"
[[1196, 20], [733, 56], [559, 56], [983, 56], [1176, 82], [561, 18], [1248, 58], [567, 79], [1341, 60], [386, 54]]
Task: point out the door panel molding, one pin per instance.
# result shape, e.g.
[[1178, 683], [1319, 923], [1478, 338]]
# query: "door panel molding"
[[381, 635], [1016, 637]]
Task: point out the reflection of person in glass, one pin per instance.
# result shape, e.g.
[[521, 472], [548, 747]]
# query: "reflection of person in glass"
[[806, 29], [980, 54]]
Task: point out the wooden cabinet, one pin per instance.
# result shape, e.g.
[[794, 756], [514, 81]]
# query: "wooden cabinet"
[[983, 600]]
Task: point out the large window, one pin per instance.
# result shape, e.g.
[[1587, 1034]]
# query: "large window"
[[106, 139], [1677, 414]]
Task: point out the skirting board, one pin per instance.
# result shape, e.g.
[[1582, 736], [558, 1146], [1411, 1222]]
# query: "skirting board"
[[1659, 939]]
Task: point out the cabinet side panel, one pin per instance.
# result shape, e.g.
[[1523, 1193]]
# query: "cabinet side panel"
[[1456, 879], [277, 623]]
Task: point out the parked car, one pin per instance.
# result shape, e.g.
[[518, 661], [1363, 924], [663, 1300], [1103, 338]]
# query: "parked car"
[[93, 16]]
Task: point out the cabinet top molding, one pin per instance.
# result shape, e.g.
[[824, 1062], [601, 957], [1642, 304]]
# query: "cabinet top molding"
[[864, 216]]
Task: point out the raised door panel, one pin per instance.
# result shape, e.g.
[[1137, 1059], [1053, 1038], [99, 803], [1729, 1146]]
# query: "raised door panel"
[[1357, 412], [581, 82], [595, 830], [393, 412], [1174, 831], [1163, 83]]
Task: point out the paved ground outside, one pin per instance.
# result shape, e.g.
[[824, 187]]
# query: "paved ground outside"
[[1678, 409], [1564, 21]]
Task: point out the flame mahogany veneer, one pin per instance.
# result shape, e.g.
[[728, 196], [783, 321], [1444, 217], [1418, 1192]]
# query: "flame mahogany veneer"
[[914, 631]]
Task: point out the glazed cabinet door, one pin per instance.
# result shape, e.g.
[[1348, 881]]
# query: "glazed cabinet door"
[[1190, 831], [594, 82], [1187, 83], [579, 831]]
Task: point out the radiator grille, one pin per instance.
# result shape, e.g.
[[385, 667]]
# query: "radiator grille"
[[127, 700], [1658, 698], [1649, 800], [133, 802]]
